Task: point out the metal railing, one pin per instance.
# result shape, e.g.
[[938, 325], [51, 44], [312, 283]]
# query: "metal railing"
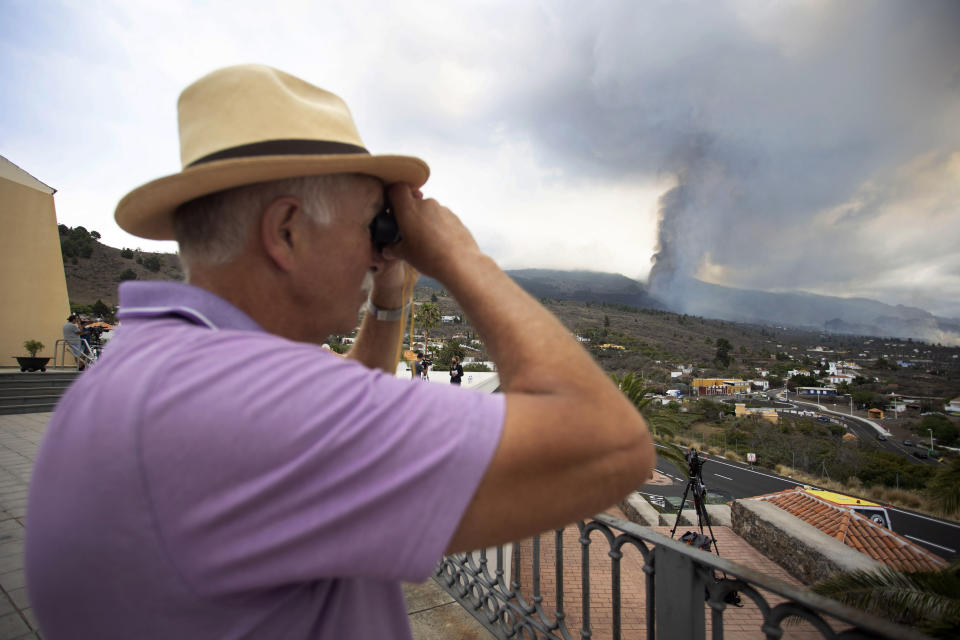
[[62, 348], [679, 584]]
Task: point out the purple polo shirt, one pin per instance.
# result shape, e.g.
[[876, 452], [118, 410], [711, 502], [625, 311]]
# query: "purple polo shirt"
[[206, 479]]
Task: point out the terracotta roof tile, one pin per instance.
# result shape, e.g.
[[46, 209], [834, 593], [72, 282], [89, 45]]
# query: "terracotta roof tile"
[[854, 530]]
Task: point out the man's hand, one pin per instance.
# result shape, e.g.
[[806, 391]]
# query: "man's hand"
[[388, 282], [432, 236]]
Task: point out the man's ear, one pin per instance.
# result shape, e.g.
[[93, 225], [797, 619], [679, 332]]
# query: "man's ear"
[[279, 226]]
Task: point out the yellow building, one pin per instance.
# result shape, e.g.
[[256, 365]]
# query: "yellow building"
[[719, 386], [35, 303], [767, 413]]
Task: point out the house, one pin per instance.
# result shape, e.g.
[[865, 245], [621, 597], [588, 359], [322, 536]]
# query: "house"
[[767, 413], [31, 265], [676, 374], [860, 524], [817, 391], [953, 406], [719, 386], [837, 378], [448, 319], [762, 385]]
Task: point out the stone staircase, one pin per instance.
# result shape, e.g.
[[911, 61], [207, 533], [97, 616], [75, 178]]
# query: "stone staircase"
[[33, 392]]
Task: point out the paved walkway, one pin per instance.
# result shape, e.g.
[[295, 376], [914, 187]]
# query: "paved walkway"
[[20, 437], [740, 623]]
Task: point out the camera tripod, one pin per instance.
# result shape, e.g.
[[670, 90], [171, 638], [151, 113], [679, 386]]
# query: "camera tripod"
[[698, 489], [699, 496]]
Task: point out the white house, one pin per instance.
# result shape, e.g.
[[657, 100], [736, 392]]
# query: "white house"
[[676, 374], [953, 406], [763, 385], [448, 319], [837, 378]]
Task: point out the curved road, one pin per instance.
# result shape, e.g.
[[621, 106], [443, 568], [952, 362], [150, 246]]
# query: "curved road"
[[742, 481]]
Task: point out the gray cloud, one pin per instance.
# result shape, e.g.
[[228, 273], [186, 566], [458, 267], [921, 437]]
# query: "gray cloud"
[[767, 123]]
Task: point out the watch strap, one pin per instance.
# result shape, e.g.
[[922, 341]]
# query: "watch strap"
[[387, 315]]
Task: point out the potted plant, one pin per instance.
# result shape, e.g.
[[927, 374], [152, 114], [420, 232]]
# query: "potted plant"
[[32, 362]]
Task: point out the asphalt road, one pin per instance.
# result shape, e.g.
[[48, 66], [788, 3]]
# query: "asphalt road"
[[738, 480]]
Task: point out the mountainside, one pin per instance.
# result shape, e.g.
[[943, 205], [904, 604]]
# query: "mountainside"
[[95, 273], [859, 316], [96, 277]]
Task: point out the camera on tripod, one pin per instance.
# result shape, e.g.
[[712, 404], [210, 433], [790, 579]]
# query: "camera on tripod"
[[694, 462]]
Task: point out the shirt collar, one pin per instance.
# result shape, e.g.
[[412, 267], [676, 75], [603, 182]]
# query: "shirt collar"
[[146, 300]]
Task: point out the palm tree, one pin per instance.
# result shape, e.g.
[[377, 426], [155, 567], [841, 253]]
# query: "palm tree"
[[428, 317], [636, 391], [944, 488], [927, 600]]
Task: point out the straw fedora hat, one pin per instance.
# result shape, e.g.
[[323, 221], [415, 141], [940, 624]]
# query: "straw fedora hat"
[[251, 123]]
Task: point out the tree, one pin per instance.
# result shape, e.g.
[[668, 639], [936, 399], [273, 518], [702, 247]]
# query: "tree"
[[802, 381], [606, 320], [449, 350], [433, 297], [927, 600], [427, 318], [102, 310], [127, 274], [944, 431], [633, 387], [944, 488], [95, 235], [867, 400], [153, 263], [723, 352]]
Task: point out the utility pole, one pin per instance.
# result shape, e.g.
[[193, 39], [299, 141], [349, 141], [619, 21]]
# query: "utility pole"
[[931, 440]]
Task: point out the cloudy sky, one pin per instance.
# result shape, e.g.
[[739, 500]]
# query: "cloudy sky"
[[776, 145]]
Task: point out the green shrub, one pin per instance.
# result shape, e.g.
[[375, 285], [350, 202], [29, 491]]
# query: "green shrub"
[[475, 366], [32, 347], [153, 263], [126, 253], [127, 274]]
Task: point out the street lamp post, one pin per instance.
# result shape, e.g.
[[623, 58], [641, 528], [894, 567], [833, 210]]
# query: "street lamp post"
[[931, 440]]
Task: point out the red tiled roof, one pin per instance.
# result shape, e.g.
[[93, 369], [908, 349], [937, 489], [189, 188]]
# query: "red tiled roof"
[[855, 530]]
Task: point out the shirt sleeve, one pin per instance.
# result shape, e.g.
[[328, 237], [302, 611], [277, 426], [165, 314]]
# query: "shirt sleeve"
[[278, 462]]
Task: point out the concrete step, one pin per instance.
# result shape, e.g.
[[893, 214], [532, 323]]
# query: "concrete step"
[[33, 392], [39, 398], [15, 390], [28, 408]]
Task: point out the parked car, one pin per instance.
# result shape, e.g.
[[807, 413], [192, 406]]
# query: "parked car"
[[920, 453], [907, 443], [881, 437]]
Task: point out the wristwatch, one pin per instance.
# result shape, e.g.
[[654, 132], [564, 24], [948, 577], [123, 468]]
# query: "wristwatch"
[[387, 315]]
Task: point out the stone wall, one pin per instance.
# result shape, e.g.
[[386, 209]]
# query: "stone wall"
[[807, 553]]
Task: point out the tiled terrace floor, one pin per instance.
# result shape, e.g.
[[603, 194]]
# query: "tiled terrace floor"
[[20, 437]]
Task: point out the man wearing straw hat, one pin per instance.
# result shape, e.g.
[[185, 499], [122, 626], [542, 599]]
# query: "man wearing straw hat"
[[218, 474]]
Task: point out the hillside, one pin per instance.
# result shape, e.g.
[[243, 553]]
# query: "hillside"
[[607, 308], [96, 269]]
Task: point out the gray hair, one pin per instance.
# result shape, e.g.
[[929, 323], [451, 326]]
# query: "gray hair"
[[213, 229]]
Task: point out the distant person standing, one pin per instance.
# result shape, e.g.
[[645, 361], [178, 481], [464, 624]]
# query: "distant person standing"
[[71, 334], [456, 371], [418, 366]]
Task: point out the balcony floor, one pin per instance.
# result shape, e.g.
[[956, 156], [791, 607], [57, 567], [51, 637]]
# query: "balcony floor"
[[740, 623]]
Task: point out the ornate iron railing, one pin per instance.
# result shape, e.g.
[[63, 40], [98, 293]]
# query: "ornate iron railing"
[[680, 583]]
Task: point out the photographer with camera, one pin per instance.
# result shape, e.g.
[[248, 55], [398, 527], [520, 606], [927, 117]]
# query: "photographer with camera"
[[223, 476]]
